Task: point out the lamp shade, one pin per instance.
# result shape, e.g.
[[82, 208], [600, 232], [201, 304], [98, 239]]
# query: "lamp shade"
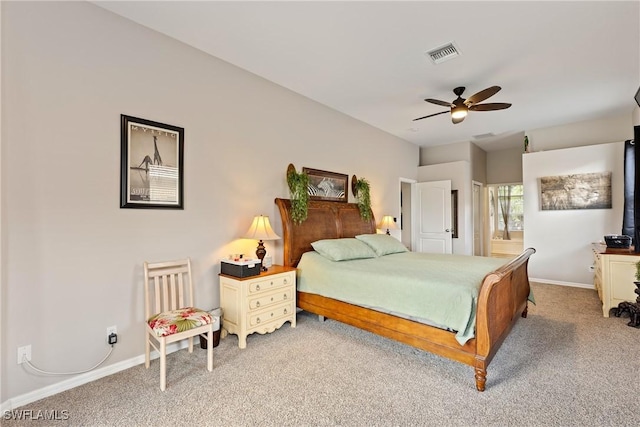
[[388, 223], [261, 229]]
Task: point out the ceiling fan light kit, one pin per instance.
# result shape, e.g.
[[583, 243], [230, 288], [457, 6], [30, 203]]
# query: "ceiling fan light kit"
[[460, 107], [459, 112]]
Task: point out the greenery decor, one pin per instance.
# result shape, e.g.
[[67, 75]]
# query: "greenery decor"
[[638, 271], [361, 190], [298, 188]]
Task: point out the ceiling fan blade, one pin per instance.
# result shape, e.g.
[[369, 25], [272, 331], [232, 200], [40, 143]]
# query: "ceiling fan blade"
[[430, 115], [490, 106], [456, 121], [438, 102], [482, 95]]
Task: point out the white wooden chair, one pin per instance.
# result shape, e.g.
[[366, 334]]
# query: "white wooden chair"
[[169, 312]]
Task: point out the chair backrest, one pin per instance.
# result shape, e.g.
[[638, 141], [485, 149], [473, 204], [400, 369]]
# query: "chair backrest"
[[167, 286]]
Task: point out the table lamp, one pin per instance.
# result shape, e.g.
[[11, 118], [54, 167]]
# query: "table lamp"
[[261, 230], [388, 223]]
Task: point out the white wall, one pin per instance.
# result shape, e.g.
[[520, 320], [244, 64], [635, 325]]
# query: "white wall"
[[478, 164], [599, 131], [504, 166], [445, 153], [2, 281], [563, 239], [71, 258], [460, 175]]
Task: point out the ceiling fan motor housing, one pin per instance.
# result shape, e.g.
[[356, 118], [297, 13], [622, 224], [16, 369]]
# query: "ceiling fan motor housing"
[[459, 91]]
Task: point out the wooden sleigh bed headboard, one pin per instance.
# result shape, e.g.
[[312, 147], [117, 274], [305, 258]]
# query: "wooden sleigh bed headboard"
[[325, 220]]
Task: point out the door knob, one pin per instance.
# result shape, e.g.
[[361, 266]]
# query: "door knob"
[[447, 230]]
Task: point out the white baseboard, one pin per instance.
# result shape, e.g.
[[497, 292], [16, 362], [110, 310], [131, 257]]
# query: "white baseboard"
[[556, 282], [81, 379]]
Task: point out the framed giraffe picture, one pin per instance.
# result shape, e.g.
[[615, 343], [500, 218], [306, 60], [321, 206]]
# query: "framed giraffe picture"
[[151, 164]]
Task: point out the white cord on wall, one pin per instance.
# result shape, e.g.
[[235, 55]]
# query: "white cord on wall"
[[26, 361]]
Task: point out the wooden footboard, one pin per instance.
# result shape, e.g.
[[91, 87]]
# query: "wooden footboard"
[[419, 335], [501, 301]]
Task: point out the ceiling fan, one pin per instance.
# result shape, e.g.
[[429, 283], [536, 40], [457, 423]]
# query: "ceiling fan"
[[460, 106]]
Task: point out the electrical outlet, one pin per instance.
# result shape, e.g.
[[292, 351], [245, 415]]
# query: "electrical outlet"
[[24, 353], [112, 330]]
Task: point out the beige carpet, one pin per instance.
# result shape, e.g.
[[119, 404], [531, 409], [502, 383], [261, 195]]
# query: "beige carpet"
[[565, 365]]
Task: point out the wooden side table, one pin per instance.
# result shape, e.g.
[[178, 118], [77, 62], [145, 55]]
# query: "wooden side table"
[[261, 303]]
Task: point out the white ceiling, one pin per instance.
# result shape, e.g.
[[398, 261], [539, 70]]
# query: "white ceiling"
[[557, 62]]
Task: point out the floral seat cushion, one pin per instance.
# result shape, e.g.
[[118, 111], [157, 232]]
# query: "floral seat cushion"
[[180, 320]]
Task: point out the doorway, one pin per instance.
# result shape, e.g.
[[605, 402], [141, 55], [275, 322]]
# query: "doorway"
[[506, 219], [405, 211], [478, 219]]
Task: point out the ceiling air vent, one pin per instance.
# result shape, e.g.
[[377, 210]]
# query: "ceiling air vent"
[[443, 53], [484, 135]]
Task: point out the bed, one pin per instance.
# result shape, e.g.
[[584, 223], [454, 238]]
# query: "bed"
[[501, 300]]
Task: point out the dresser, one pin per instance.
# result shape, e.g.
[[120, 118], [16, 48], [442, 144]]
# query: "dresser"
[[614, 274], [261, 303]]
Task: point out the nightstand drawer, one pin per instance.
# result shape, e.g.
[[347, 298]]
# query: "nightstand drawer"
[[271, 283], [267, 316], [264, 301]]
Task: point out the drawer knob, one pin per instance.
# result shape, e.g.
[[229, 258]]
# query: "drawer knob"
[[271, 298], [258, 304], [271, 283], [285, 281], [271, 314], [285, 311], [285, 296], [258, 320], [257, 287]]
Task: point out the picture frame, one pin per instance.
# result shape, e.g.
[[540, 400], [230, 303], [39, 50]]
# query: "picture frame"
[[325, 185], [576, 191], [454, 214], [151, 164]]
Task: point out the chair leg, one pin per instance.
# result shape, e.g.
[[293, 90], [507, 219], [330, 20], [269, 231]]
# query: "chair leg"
[[190, 344], [163, 365], [210, 349], [147, 350]]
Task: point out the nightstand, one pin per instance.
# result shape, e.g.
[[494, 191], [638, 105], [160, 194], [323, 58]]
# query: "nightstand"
[[261, 303]]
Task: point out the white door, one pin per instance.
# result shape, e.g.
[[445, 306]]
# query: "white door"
[[432, 217]]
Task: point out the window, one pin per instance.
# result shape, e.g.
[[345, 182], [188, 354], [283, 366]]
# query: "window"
[[506, 198], [511, 196]]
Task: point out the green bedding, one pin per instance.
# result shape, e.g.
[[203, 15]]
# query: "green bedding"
[[437, 289]]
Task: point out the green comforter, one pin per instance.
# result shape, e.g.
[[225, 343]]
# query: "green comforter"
[[440, 290]]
